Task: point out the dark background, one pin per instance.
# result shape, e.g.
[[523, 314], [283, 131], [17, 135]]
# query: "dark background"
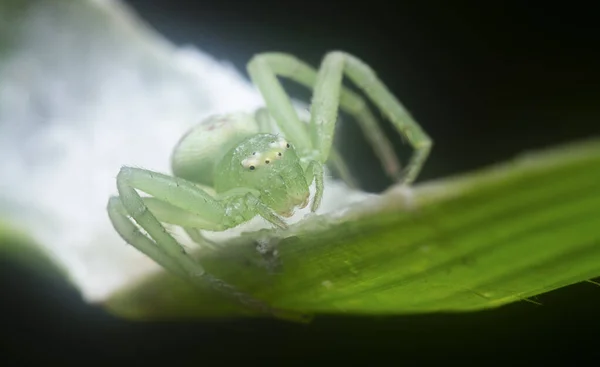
[[487, 80]]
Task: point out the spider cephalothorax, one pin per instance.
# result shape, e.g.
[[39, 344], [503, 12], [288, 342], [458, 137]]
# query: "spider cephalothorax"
[[270, 165]]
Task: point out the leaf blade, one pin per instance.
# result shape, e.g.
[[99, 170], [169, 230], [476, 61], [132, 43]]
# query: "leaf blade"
[[472, 242]]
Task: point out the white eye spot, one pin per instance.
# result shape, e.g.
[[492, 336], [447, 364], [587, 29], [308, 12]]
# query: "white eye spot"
[[250, 163], [261, 158]]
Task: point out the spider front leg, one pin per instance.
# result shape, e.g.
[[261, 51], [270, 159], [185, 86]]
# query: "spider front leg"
[[180, 202], [263, 120], [314, 172], [326, 99], [264, 69]]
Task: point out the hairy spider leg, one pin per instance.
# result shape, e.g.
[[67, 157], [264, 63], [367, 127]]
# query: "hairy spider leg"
[[263, 120], [314, 171], [326, 98], [264, 68], [181, 202]]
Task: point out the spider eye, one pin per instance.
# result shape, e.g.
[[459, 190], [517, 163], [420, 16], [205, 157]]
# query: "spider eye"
[[252, 168], [267, 161], [279, 154], [287, 145]]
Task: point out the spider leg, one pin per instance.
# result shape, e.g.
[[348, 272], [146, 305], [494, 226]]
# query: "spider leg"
[[167, 213], [263, 73], [184, 204], [264, 68], [195, 235], [132, 235], [263, 119], [165, 245], [326, 98], [342, 169], [314, 172]]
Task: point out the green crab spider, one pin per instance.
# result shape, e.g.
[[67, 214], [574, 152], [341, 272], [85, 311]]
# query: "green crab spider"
[[231, 168]]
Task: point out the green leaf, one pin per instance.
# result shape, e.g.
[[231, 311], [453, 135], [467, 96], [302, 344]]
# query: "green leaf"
[[476, 241]]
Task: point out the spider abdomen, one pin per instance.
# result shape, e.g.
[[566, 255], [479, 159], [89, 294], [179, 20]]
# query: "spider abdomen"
[[203, 146]]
